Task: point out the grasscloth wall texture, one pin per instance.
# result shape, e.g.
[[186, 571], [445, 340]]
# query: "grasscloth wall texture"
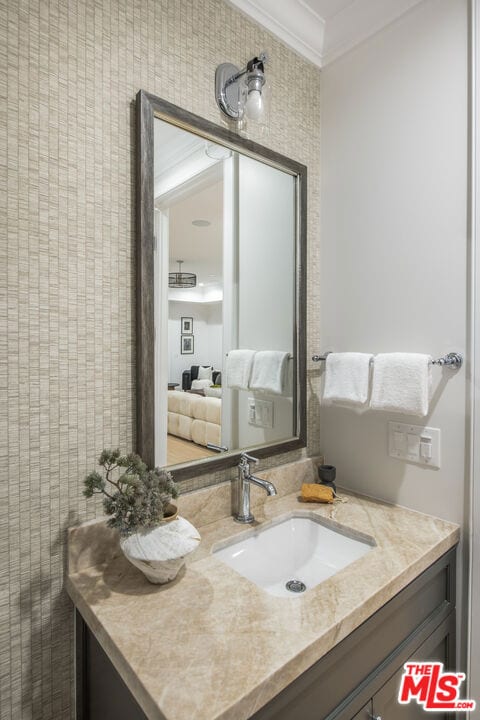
[[69, 72]]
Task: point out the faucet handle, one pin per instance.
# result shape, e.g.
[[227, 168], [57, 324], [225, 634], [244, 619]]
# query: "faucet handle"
[[244, 457]]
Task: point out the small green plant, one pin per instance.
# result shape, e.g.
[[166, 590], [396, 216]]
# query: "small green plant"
[[135, 496]]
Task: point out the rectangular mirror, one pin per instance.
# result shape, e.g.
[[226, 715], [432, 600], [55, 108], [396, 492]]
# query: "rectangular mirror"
[[220, 294]]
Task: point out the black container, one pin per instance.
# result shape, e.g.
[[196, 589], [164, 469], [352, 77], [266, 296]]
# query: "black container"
[[327, 475]]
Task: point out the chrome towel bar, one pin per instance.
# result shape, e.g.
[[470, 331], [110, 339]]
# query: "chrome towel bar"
[[453, 360], [290, 356]]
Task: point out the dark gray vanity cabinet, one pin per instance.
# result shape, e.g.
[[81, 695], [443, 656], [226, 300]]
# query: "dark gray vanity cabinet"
[[384, 703], [357, 680], [365, 713], [101, 692]]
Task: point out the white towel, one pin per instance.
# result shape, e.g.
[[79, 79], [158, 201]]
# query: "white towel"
[[401, 383], [347, 378], [239, 368], [269, 371]]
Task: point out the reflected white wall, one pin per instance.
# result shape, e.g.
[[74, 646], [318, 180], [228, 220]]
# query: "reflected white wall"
[[266, 257]]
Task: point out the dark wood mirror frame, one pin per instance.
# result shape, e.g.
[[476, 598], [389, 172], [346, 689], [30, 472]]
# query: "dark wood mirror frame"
[[147, 108]]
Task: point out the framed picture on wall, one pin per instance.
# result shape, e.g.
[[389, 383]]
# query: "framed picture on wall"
[[186, 345], [187, 326]]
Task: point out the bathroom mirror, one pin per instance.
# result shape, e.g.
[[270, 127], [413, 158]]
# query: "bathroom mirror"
[[221, 243]]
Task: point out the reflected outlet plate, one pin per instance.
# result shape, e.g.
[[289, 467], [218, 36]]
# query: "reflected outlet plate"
[[260, 412]]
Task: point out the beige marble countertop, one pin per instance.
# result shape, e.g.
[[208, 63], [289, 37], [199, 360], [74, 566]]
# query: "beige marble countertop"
[[212, 645]]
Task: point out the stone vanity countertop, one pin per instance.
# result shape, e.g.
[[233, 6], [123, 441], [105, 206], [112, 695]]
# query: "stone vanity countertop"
[[212, 644]]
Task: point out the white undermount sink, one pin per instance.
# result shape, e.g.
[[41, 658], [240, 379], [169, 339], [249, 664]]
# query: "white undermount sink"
[[299, 547]]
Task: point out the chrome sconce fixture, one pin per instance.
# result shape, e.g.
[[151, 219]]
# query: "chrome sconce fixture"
[[181, 279], [241, 93]]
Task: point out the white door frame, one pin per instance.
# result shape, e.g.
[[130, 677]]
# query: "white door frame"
[[230, 296], [161, 334], [473, 647]]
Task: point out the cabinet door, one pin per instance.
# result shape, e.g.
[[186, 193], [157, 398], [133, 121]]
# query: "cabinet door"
[[385, 702], [365, 713], [101, 692]]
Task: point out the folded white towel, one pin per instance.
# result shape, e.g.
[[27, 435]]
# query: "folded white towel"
[[401, 383], [239, 368], [347, 378], [269, 371]]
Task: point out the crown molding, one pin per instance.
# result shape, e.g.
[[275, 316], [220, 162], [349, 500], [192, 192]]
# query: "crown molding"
[[292, 21], [323, 41]]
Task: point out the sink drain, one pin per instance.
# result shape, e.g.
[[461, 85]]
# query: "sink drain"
[[296, 586]]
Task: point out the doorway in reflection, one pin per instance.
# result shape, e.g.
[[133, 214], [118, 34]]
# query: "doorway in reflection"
[[189, 202], [225, 248], [195, 320]]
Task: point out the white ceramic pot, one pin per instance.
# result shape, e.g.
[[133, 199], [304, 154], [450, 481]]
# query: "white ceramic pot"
[[160, 552]]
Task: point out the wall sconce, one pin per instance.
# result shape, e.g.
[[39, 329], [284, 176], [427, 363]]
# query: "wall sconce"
[[241, 93]]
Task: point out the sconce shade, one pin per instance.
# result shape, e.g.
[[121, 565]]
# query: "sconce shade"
[[181, 279]]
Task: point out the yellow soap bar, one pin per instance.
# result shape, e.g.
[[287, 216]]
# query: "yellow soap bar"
[[312, 492]]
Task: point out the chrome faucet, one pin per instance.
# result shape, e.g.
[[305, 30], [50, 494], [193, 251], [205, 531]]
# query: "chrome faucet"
[[241, 498]]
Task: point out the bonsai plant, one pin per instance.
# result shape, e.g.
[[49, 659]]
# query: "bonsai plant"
[[137, 500], [134, 496]]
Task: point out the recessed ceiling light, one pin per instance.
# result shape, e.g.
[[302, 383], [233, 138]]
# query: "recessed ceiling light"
[[201, 223]]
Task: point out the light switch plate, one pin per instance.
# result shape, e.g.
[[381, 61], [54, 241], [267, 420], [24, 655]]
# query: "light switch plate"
[[414, 443], [260, 412]]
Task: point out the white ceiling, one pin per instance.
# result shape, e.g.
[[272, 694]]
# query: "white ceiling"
[[201, 248], [322, 30], [188, 183]]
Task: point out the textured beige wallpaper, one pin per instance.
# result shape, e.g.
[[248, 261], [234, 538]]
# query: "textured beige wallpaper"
[[69, 72]]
